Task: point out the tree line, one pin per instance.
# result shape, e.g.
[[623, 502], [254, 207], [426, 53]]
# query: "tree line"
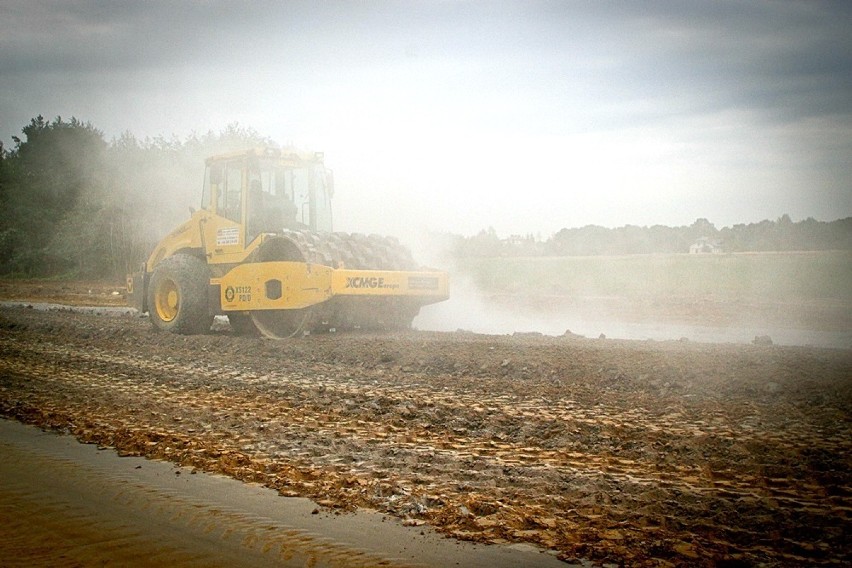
[[76, 205], [780, 235]]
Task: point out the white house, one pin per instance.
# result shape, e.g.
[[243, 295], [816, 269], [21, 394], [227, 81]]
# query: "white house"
[[706, 245]]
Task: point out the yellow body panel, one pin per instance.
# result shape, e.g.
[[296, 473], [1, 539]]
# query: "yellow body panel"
[[296, 285], [225, 241], [300, 285], [221, 240], [185, 236]]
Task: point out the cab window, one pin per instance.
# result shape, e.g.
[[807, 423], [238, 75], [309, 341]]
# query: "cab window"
[[228, 203], [270, 205]]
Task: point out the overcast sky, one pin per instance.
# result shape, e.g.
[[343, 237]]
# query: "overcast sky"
[[455, 116]]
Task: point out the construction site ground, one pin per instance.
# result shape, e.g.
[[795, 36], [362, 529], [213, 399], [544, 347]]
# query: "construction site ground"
[[636, 453]]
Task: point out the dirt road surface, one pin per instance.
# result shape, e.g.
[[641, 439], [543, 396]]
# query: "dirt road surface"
[[635, 453]]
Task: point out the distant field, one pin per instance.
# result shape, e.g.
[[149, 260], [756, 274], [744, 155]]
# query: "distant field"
[[784, 277]]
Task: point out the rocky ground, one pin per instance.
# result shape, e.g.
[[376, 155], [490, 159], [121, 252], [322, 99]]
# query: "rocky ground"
[[638, 453]]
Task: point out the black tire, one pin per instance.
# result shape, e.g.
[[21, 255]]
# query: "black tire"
[[177, 295]]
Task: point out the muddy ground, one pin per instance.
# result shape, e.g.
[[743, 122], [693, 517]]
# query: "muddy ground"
[[638, 453], [67, 292]]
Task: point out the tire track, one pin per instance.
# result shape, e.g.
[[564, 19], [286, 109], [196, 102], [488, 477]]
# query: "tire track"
[[131, 377]]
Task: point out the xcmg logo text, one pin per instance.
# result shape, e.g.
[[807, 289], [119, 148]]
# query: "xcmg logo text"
[[369, 282]]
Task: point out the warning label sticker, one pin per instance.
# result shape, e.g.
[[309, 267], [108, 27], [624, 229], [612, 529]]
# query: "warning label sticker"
[[228, 236]]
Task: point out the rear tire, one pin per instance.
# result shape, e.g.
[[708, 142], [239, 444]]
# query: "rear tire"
[[177, 295]]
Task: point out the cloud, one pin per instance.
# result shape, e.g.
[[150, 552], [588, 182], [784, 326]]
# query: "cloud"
[[509, 114], [791, 57], [783, 59]]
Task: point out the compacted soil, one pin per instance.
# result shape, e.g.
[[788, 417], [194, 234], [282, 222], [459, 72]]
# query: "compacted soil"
[[635, 453]]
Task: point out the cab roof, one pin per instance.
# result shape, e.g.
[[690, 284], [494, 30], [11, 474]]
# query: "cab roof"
[[283, 154]]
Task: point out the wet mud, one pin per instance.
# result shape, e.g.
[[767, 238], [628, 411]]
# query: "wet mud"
[[63, 503]]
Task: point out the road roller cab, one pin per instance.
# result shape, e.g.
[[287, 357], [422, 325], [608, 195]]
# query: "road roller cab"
[[261, 250]]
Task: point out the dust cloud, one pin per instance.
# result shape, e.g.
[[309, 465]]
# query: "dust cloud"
[[633, 298], [468, 309]]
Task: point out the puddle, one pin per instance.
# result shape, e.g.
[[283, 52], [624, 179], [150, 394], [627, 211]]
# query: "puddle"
[[62, 502]]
